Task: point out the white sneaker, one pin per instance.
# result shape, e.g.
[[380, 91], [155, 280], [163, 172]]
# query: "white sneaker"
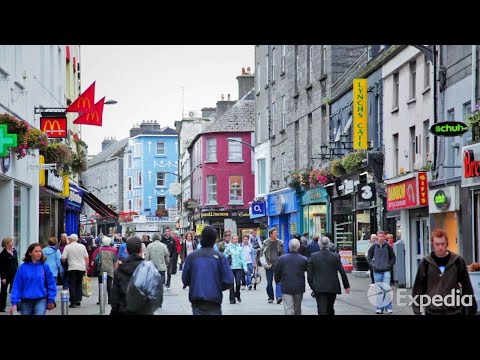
[[389, 311], [243, 287], [371, 285]]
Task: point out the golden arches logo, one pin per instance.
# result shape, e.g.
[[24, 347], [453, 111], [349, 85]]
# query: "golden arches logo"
[[54, 127], [83, 102], [52, 124], [93, 116]]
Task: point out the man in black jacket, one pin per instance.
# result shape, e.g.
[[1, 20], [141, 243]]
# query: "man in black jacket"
[[118, 294], [290, 273], [168, 240], [323, 278], [381, 259]]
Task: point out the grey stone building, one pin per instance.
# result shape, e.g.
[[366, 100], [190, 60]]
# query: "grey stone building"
[[457, 91], [104, 179], [292, 93], [292, 87]]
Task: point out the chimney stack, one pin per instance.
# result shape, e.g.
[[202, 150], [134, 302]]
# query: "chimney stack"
[[246, 82], [107, 141]]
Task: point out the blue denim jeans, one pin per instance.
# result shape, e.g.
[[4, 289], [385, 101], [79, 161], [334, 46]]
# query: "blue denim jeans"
[[206, 310], [278, 291], [383, 289], [34, 307], [248, 275]]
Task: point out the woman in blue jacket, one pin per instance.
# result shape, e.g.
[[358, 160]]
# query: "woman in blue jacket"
[[52, 255], [34, 284]]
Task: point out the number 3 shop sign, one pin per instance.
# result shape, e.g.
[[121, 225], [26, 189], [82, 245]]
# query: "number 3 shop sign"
[[408, 193]]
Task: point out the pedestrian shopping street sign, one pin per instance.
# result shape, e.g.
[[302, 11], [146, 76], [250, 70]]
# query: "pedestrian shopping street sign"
[[7, 141]]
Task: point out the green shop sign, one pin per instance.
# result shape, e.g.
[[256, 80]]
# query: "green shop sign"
[[449, 128], [441, 200], [7, 141], [317, 195]]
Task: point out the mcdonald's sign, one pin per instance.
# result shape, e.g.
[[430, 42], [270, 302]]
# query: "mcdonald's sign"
[[93, 117], [54, 127]]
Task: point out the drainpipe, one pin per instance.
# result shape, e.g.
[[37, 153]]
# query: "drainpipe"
[[435, 87], [474, 77]]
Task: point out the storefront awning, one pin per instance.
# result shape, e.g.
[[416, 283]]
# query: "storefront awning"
[[97, 205]]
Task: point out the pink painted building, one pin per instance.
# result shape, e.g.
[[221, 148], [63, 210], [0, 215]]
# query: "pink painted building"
[[222, 180]]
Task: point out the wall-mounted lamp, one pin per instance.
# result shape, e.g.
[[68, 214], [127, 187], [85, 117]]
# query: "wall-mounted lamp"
[[275, 182]]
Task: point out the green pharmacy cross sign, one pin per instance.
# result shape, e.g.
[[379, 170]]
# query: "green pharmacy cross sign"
[[6, 140]]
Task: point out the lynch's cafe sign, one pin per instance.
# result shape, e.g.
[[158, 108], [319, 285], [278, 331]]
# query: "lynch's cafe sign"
[[409, 193], [471, 165], [360, 114]]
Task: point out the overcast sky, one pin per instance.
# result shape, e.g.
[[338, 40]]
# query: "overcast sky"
[[147, 81]]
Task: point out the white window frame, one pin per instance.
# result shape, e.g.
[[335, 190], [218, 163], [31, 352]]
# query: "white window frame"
[[129, 183], [396, 90], [284, 53], [211, 149], [426, 74], [412, 67], [267, 75], [138, 149], [273, 65], [164, 179], [235, 153], [284, 168], [310, 65], [237, 199], [284, 112], [138, 178], [262, 176], [161, 206], [156, 148], [212, 190]]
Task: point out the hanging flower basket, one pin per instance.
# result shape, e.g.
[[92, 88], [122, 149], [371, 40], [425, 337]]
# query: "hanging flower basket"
[[60, 154], [28, 137]]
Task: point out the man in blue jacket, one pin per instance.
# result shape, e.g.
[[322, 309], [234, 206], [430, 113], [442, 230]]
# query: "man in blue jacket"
[[207, 273]]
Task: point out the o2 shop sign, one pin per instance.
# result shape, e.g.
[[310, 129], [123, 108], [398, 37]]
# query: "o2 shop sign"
[[449, 128]]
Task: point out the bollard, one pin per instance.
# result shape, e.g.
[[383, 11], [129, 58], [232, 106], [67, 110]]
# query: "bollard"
[[102, 292], [64, 303]]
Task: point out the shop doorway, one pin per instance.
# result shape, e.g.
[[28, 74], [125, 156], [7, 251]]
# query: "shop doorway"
[[420, 242]]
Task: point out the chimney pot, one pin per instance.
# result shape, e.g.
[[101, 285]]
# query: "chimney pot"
[[248, 70], [222, 97], [243, 71], [228, 97]]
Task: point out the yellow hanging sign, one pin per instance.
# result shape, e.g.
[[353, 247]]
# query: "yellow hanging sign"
[[360, 114]]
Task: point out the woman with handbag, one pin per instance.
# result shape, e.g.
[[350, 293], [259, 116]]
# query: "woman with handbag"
[[34, 284]]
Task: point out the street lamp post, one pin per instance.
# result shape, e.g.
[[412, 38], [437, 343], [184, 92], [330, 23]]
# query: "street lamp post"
[[242, 142]]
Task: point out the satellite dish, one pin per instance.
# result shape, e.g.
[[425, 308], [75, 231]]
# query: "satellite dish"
[[191, 114]]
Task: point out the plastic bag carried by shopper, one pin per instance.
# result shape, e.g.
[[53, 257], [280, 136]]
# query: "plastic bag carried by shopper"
[[145, 289], [86, 286]]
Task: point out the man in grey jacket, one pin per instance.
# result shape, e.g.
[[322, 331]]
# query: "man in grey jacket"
[[381, 259], [157, 252]]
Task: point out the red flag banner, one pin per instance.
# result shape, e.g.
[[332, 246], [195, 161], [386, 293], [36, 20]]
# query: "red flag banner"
[[94, 117], [85, 102]]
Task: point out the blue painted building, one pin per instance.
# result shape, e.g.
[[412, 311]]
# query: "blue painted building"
[[151, 165]]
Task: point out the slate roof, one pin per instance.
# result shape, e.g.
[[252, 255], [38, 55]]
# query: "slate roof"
[[111, 151], [239, 118]]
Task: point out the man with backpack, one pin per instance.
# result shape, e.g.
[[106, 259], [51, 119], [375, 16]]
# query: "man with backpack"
[[442, 274], [122, 283]]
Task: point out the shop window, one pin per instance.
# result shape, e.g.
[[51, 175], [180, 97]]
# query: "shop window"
[[315, 219]]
